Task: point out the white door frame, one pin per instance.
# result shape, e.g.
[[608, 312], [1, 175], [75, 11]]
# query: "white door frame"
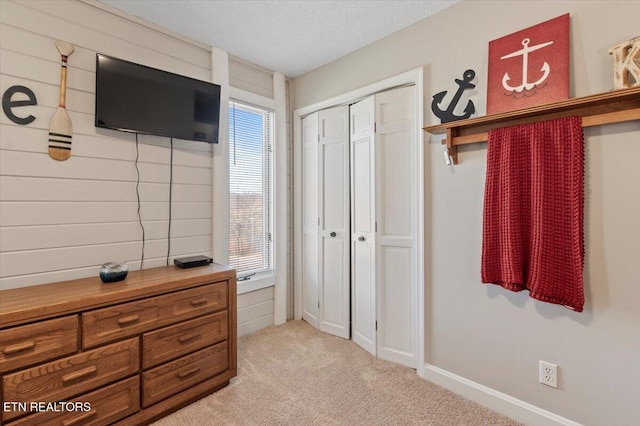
[[415, 78]]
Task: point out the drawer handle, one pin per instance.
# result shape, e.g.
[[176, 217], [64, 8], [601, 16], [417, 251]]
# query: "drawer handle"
[[76, 375], [20, 347], [198, 302], [80, 419], [128, 320], [189, 337], [186, 374]]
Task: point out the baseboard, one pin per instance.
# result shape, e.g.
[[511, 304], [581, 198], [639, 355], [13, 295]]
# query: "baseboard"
[[514, 408]]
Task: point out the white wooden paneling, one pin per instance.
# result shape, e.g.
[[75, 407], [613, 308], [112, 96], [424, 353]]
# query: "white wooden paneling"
[[14, 163], [107, 33], [21, 188], [255, 297], [15, 238], [289, 205], [35, 261], [59, 213], [281, 166], [254, 325], [251, 78], [144, 34], [62, 220], [255, 310], [153, 149]]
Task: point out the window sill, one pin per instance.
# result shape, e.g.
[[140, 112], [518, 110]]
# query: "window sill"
[[257, 282]]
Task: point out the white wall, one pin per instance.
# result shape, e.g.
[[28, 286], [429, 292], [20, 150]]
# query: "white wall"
[[62, 220], [484, 333]]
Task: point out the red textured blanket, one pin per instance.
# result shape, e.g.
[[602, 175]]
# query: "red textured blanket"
[[532, 234]]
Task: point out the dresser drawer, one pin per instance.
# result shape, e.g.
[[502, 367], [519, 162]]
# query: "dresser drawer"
[[166, 380], [71, 376], [177, 340], [128, 319], [107, 405], [45, 340]]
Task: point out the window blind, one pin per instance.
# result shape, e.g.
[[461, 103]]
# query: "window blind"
[[250, 188]]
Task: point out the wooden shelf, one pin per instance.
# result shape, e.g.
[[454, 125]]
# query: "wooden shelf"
[[604, 108]]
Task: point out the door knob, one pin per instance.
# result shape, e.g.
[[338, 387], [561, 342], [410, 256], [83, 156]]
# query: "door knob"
[[361, 238], [333, 234]]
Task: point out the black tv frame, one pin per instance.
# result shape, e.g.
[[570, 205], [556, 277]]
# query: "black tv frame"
[[157, 76]]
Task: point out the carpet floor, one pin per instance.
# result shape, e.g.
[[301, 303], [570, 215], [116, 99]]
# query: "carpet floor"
[[293, 374]]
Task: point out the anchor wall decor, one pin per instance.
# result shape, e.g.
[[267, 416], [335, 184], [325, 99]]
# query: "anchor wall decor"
[[529, 67], [524, 52], [447, 115]]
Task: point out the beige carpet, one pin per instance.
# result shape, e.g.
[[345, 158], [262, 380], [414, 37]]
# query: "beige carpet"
[[294, 375]]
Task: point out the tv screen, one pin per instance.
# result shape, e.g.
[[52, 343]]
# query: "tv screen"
[[137, 98]]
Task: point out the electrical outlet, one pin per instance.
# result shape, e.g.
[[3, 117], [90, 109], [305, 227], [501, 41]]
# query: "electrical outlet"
[[549, 374]]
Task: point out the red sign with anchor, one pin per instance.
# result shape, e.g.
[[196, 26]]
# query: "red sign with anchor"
[[529, 67]]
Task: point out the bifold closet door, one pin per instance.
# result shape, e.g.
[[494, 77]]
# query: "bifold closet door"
[[334, 233], [359, 223], [363, 244], [326, 221], [383, 175], [396, 237]]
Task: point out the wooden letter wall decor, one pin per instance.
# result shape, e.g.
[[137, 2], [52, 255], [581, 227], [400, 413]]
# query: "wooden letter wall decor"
[[8, 104], [626, 64]]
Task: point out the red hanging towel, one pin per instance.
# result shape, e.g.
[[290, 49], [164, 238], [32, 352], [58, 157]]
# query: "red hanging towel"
[[532, 233]]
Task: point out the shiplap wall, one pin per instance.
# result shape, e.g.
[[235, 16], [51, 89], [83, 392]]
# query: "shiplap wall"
[[62, 220], [255, 310], [251, 78]]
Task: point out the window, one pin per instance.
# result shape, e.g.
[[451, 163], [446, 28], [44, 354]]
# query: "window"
[[250, 189]]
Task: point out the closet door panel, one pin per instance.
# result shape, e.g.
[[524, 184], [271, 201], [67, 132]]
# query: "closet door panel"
[[334, 282], [334, 314], [334, 191], [396, 330], [396, 236], [363, 276], [395, 180]]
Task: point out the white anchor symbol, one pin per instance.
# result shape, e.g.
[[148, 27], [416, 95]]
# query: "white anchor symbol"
[[524, 52]]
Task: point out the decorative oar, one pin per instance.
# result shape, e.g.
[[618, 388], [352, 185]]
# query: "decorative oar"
[[60, 127]]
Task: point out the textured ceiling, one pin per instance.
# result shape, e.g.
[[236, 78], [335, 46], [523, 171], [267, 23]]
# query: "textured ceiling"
[[292, 37]]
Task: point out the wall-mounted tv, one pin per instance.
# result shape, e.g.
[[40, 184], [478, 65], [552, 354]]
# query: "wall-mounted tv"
[[137, 98]]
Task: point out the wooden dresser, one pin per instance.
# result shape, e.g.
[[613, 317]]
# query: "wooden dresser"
[[86, 353]]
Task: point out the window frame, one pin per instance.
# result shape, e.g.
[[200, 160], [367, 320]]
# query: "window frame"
[[266, 278]]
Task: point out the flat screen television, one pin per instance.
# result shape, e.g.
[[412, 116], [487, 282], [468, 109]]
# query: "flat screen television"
[[137, 98]]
